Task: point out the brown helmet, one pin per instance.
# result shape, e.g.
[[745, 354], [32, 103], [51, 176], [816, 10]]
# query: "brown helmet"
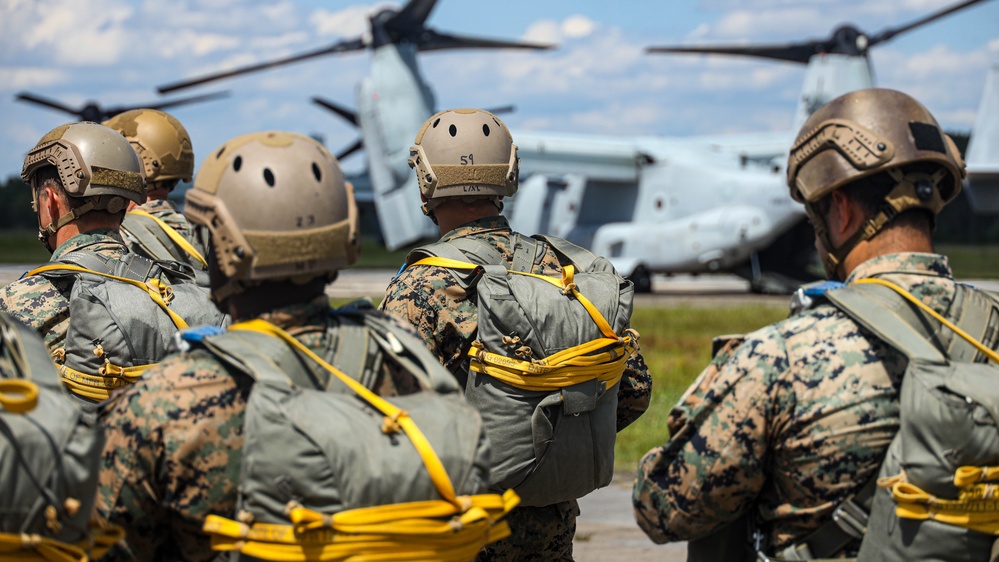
[[868, 132], [160, 141], [94, 163], [277, 207], [464, 153]]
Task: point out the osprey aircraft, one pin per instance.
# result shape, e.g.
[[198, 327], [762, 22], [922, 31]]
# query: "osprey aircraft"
[[650, 204]]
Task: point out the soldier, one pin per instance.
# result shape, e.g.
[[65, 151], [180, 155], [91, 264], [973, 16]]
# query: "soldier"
[[156, 229], [787, 424], [80, 205], [474, 159], [282, 223]]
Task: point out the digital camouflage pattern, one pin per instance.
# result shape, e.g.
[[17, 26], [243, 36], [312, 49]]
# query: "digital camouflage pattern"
[[175, 439], [446, 317], [788, 424], [43, 304], [167, 212]]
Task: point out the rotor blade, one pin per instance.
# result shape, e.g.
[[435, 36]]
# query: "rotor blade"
[[412, 16], [32, 98], [431, 40], [887, 34], [343, 112], [792, 52], [502, 109], [192, 99], [358, 145], [341, 47]]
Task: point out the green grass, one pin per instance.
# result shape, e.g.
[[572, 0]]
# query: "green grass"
[[676, 344], [21, 246], [972, 262]]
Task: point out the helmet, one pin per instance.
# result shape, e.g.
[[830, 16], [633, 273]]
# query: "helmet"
[[464, 153], [93, 162], [868, 132], [277, 207], [160, 141]]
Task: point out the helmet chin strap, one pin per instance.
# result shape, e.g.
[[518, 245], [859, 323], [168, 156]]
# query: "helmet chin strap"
[[911, 191], [46, 234]]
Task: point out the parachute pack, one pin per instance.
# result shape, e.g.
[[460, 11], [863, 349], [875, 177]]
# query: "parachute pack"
[[546, 363], [150, 236], [331, 471], [123, 315], [50, 454]]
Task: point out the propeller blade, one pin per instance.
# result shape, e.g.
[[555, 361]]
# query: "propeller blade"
[[891, 32], [32, 98], [343, 112], [792, 52], [340, 47], [115, 110], [412, 16], [431, 40], [358, 145], [502, 109]]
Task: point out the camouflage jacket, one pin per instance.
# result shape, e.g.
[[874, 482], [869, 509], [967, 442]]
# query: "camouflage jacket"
[[43, 304], [446, 317], [167, 212], [789, 423], [174, 441]]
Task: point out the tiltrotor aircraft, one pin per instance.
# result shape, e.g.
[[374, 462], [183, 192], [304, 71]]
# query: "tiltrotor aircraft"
[[93, 111], [650, 204]]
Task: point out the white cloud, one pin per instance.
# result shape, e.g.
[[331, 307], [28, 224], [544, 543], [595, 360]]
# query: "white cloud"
[[54, 29], [543, 31], [349, 22], [18, 78], [577, 26]]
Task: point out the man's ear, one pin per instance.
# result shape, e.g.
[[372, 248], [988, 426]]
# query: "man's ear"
[[845, 214]]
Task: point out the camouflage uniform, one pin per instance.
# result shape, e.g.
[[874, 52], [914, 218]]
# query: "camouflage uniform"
[[167, 212], [175, 438], [789, 423], [446, 318], [42, 303]]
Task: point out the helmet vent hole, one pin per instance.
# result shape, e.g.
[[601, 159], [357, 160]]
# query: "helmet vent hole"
[[316, 172], [437, 122], [269, 177], [453, 130], [219, 153], [485, 129], [237, 163]]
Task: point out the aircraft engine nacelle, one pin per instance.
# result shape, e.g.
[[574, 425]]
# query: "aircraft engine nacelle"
[[711, 241]]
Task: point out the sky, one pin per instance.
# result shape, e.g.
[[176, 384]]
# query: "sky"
[[598, 80]]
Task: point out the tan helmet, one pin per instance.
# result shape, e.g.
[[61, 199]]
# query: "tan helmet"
[[160, 141], [464, 153], [868, 132], [93, 162], [277, 207]]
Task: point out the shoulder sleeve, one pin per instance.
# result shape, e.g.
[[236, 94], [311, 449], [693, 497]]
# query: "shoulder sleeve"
[[712, 468]]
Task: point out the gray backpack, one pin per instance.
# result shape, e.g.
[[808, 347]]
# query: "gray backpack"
[[320, 447], [936, 496], [544, 368], [49, 454], [123, 316], [149, 236]]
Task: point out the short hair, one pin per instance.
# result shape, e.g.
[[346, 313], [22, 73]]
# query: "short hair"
[[870, 192], [48, 176]]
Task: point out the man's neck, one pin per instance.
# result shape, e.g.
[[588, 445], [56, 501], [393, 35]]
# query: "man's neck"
[[892, 241]]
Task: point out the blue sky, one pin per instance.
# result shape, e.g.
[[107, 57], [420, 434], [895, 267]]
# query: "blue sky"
[[598, 81]]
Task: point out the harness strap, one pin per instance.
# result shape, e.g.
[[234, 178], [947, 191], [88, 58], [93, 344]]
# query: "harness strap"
[[36, 548], [156, 291], [171, 233]]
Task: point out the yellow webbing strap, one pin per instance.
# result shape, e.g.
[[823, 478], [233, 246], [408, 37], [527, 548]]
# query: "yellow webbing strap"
[[97, 387], [409, 531], [976, 508], [174, 235], [604, 358], [969, 475], [909, 297], [18, 396], [36, 548], [155, 290]]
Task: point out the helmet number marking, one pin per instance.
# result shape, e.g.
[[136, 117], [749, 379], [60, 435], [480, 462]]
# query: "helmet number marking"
[[305, 221], [467, 160]]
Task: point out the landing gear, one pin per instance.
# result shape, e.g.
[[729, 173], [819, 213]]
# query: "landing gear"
[[642, 279]]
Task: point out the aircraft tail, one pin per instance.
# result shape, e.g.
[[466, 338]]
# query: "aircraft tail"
[[982, 183]]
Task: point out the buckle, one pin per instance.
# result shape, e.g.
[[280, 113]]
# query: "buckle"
[[851, 518]]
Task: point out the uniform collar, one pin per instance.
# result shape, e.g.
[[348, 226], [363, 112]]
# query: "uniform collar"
[[157, 205], [478, 226], [83, 240], [300, 315], [934, 265]]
